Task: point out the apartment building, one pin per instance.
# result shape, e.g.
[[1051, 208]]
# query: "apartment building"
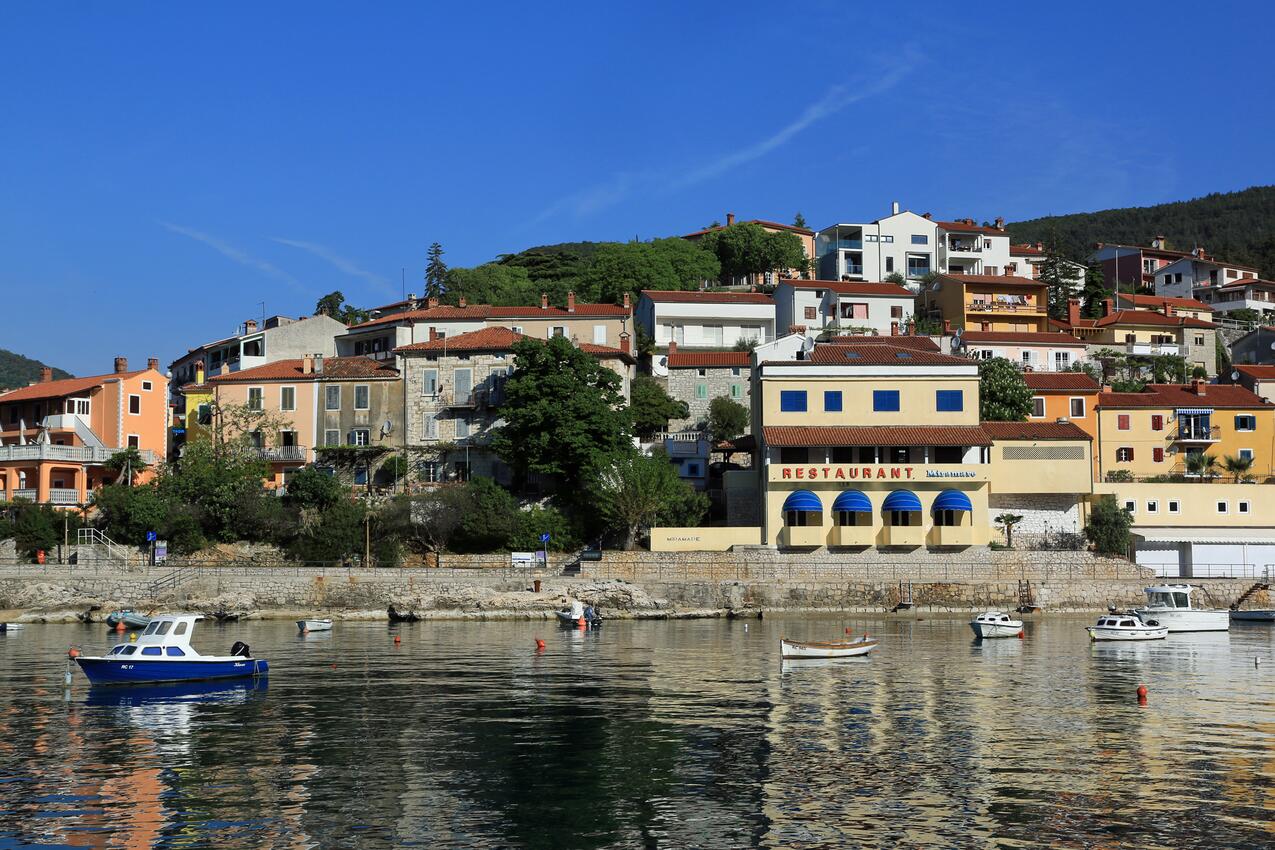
[[1255, 347], [1150, 433], [698, 377], [1032, 351], [706, 319], [453, 388], [1130, 267], [1025, 261], [321, 401], [1197, 275], [1168, 305], [842, 306], [987, 303], [768, 279], [57, 436], [1146, 333], [258, 343], [1249, 293], [595, 324], [1260, 380], [1064, 396], [910, 245]]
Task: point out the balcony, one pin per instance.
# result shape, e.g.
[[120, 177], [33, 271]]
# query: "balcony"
[[903, 535], [802, 536], [1153, 349], [848, 244], [1001, 307], [853, 535], [63, 496], [28, 494], [71, 454], [961, 246], [477, 398], [853, 269], [1198, 434], [952, 535], [282, 454]]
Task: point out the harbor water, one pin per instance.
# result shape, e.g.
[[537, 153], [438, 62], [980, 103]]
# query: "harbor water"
[[648, 734]]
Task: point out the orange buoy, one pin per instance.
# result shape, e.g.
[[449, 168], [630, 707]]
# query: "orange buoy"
[[397, 640], [119, 627], [581, 623], [1142, 692], [1020, 634], [72, 653], [540, 645]]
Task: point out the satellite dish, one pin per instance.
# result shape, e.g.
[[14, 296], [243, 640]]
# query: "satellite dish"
[[1235, 376], [957, 333], [936, 286], [387, 426], [808, 345], [1273, 346]]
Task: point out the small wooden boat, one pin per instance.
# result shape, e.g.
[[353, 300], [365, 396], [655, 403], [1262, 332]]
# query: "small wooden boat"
[[397, 616], [995, 624], [130, 618], [826, 648], [1126, 625], [324, 625], [163, 654]]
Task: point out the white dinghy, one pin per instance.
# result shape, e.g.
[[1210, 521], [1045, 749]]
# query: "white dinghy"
[[996, 624]]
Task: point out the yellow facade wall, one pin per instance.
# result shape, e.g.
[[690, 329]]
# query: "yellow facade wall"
[[1196, 503], [712, 539], [1041, 466], [1143, 440], [917, 401]]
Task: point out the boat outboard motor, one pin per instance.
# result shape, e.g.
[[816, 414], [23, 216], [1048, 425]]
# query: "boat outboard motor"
[[240, 649]]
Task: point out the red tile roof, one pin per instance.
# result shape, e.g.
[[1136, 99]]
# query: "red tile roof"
[[487, 339], [686, 297], [1025, 251], [1181, 395], [606, 352], [1060, 382], [1021, 337], [334, 369], [483, 312], [1034, 431], [852, 287], [1261, 373], [1247, 281], [969, 227], [998, 279], [876, 435], [63, 387], [915, 343], [1155, 302], [708, 359], [1143, 317], [1146, 249], [878, 354]]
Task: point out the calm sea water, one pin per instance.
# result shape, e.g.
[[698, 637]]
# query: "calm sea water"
[[656, 734]]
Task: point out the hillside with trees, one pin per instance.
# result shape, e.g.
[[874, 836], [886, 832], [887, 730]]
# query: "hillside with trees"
[[18, 371], [1234, 226]]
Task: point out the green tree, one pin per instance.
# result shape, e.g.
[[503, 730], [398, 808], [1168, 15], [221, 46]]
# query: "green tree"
[[491, 283], [1006, 523], [895, 277], [127, 464], [1237, 466], [692, 265], [539, 520], [333, 304], [1093, 292], [799, 220], [563, 411], [651, 407], [630, 267], [1108, 527], [1201, 464], [36, 527], [1056, 272], [727, 419], [212, 482], [1086, 367], [1003, 395], [435, 516], [1245, 314], [630, 490], [748, 249], [489, 519], [310, 488], [435, 271]]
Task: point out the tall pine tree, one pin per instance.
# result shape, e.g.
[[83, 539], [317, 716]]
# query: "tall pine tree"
[[1060, 275], [435, 272]]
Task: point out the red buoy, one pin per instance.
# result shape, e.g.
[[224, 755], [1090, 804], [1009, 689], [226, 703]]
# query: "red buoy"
[[540, 645], [72, 653], [581, 623], [119, 627], [1142, 692], [1020, 634], [397, 640]]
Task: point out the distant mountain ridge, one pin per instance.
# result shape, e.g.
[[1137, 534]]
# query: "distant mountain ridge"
[[1238, 227], [18, 371]]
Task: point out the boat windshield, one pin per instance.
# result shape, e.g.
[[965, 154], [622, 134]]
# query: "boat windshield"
[[164, 626], [181, 628], [1165, 600], [116, 650], [150, 630], [1182, 600]]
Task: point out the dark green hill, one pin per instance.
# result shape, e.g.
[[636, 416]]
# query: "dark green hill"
[[18, 371], [1235, 226]]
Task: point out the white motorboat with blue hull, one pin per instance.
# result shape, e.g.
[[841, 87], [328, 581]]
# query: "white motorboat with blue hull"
[[163, 654]]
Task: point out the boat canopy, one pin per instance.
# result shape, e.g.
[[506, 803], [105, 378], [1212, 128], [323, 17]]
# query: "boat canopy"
[[802, 500], [901, 500], [852, 501], [952, 500]]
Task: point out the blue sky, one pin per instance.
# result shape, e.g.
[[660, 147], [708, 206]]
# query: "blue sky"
[[166, 168]]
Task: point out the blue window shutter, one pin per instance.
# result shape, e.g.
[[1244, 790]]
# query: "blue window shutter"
[[792, 401], [949, 400], [885, 400], [832, 401]]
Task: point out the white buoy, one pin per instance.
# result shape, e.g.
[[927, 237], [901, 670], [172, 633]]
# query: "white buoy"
[[745, 627]]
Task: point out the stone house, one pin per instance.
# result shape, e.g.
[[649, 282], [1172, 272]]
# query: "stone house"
[[698, 377]]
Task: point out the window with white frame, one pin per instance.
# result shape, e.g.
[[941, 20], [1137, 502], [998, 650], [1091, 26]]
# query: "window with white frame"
[[1131, 506], [332, 437], [462, 427], [1062, 360], [1221, 507], [1124, 454], [362, 397], [1038, 407], [134, 441], [135, 405], [360, 437], [332, 397], [1243, 507], [147, 386], [1246, 454], [1175, 507], [77, 406], [1077, 406], [429, 382], [256, 398], [1153, 506], [599, 334], [557, 330], [287, 398]]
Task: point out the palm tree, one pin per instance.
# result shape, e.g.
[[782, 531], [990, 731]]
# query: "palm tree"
[[1198, 463], [1237, 466]]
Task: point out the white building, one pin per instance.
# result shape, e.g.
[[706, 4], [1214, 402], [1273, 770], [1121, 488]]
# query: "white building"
[[706, 319], [1025, 260], [843, 306], [1038, 352], [1195, 276], [910, 245], [1248, 293]]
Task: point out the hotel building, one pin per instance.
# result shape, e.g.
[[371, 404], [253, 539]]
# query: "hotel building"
[[706, 319]]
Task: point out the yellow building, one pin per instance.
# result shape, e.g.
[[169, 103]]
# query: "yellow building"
[[878, 445], [979, 302], [1150, 433]]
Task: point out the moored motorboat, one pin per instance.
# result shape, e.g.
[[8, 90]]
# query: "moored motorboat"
[[1170, 605], [324, 625], [397, 616], [790, 649], [1126, 625], [9, 627], [130, 618], [163, 654], [996, 624], [579, 614], [1254, 615]]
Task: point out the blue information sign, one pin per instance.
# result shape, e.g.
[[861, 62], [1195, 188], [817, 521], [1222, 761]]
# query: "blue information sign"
[[544, 538], [151, 537]]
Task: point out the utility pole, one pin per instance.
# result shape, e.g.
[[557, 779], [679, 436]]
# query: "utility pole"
[[367, 540]]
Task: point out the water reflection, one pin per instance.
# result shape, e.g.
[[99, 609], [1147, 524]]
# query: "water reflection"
[[651, 734]]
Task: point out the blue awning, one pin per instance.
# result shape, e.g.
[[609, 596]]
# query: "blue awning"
[[952, 500], [853, 501], [901, 500], [1193, 410], [802, 500]]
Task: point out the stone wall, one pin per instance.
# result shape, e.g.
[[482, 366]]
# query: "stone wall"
[[683, 385], [1043, 514]]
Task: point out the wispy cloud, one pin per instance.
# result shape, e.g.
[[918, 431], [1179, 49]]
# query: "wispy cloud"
[[236, 255], [341, 263], [622, 185]]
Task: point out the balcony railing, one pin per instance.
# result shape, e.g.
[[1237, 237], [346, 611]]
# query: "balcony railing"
[[28, 494], [849, 244], [1000, 307], [802, 536], [1198, 434], [282, 454], [71, 454], [853, 269], [965, 247], [63, 496], [1152, 348]]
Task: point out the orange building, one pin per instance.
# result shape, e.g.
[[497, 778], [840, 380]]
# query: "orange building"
[[56, 436], [1064, 395]]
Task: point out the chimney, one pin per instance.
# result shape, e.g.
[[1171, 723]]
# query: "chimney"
[[796, 329], [199, 372], [927, 216], [461, 302], [1108, 307], [411, 300], [1106, 388], [624, 343], [544, 301], [571, 302], [672, 348], [894, 208], [627, 304], [1168, 309], [225, 368], [307, 365], [730, 219], [1000, 222], [1158, 242], [894, 329], [433, 333], [152, 363], [1199, 387], [46, 374], [432, 302], [1073, 310], [250, 326], [318, 364], [121, 365], [947, 326]]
